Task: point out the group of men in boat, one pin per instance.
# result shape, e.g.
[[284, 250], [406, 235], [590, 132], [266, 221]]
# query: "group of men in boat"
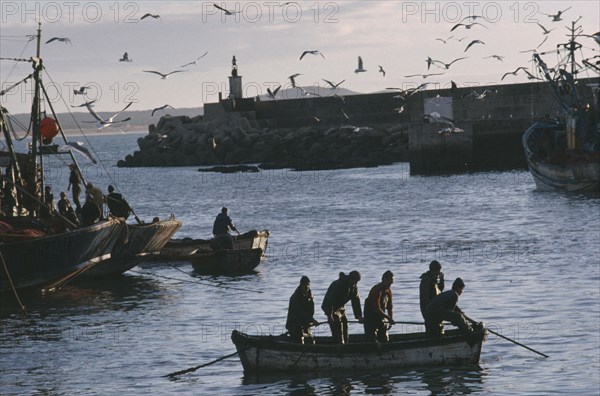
[[82, 215], [436, 305]]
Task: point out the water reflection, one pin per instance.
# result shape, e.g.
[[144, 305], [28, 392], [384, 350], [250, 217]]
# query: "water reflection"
[[121, 293], [432, 381]]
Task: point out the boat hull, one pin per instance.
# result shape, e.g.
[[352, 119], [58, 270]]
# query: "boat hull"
[[137, 243], [267, 354], [182, 249], [226, 262], [567, 171], [39, 261]]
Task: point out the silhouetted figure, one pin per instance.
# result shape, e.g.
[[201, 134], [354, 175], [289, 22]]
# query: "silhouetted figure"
[[66, 210], [75, 182], [300, 313], [117, 205]]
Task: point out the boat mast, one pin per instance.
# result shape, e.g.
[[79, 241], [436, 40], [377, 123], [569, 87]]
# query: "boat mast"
[[35, 118]]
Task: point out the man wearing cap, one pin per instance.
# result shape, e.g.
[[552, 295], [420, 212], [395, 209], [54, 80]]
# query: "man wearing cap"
[[223, 224], [300, 313], [341, 291], [377, 303], [432, 284], [443, 307]]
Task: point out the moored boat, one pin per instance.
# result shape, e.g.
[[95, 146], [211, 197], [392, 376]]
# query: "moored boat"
[[563, 153], [31, 262], [268, 354], [183, 249], [226, 261], [37, 245], [137, 243]]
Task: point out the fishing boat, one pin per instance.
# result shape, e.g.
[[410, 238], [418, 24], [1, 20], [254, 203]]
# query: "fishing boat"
[[35, 249], [271, 354], [137, 243], [226, 261], [563, 153], [183, 249]]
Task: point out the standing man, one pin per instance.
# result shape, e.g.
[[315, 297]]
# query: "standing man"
[[341, 291], [443, 307], [75, 181], [92, 210], [223, 224], [432, 284], [301, 313], [377, 303]]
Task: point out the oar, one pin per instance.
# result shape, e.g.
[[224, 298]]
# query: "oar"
[[192, 369], [508, 339]]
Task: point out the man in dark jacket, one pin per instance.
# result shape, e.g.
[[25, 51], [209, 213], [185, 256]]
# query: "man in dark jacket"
[[432, 284], [66, 210], [443, 307], [223, 224], [300, 313], [377, 303], [341, 291], [117, 205]]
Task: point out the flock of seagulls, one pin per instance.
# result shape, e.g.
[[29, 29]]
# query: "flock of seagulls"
[[471, 22]]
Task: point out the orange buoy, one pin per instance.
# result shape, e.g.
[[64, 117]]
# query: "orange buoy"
[[48, 129]]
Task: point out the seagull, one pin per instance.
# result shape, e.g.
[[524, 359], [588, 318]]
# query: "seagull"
[[447, 65], [164, 76], [155, 16], [424, 75], [473, 42], [450, 130], [399, 109], [381, 70], [125, 58], [479, 96], [293, 79], [160, 108], [77, 146], [313, 52], [531, 76], [467, 26], [535, 49], [91, 103], [405, 94], [195, 61], [473, 17], [333, 86], [359, 69], [444, 41], [498, 57], [429, 62], [62, 39], [546, 31], [556, 17], [81, 91], [273, 93], [438, 118], [227, 12], [108, 122], [595, 36], [514, 73]]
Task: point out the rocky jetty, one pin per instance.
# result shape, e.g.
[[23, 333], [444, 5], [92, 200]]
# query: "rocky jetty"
[[233, 140]]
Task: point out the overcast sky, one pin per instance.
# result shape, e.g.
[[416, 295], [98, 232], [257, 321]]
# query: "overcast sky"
[[267, 38]]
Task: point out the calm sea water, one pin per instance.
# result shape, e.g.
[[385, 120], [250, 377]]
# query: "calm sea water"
[[530, 260]]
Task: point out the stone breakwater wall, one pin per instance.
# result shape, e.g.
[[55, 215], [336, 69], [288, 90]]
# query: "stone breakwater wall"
[[233, 139]]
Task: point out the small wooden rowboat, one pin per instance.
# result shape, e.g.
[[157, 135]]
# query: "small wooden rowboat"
[[226, 261], [182, 249], [266, 354]]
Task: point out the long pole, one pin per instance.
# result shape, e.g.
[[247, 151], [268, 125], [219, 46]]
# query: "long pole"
[[508, 339]]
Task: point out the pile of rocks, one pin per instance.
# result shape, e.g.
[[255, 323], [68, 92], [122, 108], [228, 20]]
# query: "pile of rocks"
[[233, 139]]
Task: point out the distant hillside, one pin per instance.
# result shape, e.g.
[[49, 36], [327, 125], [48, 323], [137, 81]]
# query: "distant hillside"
[[140, 119]]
